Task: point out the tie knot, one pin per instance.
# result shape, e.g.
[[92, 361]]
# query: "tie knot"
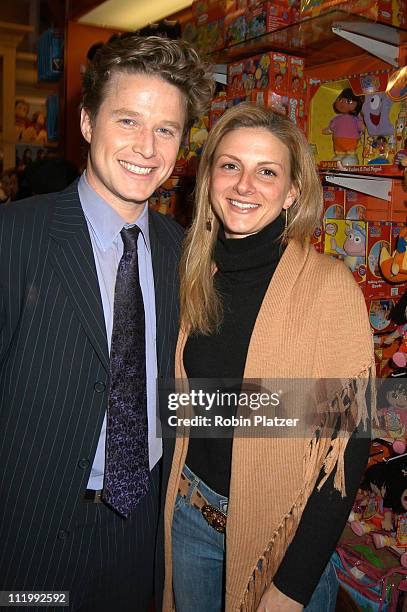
[[129, 236]]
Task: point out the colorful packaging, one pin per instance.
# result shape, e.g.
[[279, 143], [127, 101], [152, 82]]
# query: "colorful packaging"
[[379, 235], [317, 239], [398, 213], [398, 247], [354, 123], [278, 16], [210, 27], [346, 240], [363, 207], [218, 107], [379, 315], [297, 112], [392, 12], [267, 71], [334, 202], [297, 83], [235, 27], [271, 99]]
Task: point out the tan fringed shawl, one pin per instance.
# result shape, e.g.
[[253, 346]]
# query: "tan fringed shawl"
[[312, 324]]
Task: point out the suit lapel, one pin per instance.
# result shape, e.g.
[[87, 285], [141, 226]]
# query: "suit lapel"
[[72, 257], [165, 269]]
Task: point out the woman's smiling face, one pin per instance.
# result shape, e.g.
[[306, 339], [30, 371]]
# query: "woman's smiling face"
[[250, 181]]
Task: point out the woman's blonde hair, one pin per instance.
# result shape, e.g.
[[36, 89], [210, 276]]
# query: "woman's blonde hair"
[[201, 307]]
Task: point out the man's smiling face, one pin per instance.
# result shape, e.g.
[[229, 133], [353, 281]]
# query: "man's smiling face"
[[134, 138]]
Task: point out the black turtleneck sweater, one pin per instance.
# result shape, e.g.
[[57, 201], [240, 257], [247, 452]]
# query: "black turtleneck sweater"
[[245, 267]]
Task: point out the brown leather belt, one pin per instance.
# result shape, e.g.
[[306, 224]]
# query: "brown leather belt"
[[214, 517]]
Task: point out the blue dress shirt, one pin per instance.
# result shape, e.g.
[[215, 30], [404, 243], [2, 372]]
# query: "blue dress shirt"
[[104, 225]]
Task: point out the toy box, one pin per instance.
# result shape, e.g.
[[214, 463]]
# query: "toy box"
[[379, 314], [237, 100], [266, 71], [297, 111], [256, 21], [317, 239], [398, 212], [297, 83], [278, 15], [235, 27], [379, 235], [393, 262], [346, 240], [363, 207], [218, 107], [391, 12], [334, 202], [354, 124], [210, 27], [271, 99]]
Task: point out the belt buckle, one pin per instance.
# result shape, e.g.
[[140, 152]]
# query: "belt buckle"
[[92, 496], [214, 517]]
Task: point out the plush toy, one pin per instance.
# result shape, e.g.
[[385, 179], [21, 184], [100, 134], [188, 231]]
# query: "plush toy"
[[396, 500], [347, 127], [353, 251], [394, 266], [399, 316], [369, 512], [376, 113]]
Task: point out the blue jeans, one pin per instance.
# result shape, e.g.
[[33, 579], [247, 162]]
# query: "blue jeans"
[[199, 559]]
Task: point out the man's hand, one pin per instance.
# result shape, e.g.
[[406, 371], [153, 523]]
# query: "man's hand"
[[274, 600]]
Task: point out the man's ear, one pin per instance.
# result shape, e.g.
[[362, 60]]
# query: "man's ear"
[[86, 125]]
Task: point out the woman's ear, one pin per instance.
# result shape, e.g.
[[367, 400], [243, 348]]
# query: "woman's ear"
[[290, 198]]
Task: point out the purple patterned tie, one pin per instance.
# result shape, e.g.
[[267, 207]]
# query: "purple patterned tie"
[[127, 467]]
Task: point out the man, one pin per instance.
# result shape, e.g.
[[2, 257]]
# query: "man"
[[88, 322]]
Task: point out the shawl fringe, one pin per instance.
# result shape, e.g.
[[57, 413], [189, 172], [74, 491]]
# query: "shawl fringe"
[[322, 452]]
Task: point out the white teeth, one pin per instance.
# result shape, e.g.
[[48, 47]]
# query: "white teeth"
[[243, 205], [135, 169]]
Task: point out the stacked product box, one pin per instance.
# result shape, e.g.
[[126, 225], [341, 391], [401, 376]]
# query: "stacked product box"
[[269, 16], [273, 79], [391, 12], [370, 235]]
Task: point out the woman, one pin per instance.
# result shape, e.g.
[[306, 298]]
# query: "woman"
[[257, 526]]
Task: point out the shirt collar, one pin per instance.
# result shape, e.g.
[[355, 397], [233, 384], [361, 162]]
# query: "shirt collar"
[[104, 220]]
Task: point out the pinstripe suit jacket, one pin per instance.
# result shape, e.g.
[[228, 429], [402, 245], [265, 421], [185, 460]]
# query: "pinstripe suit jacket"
[[54, 367]]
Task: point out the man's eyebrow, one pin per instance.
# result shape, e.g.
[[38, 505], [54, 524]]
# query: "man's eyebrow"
[[125, 111], [119, 112]]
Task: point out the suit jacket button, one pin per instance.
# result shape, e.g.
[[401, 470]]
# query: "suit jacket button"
[[83, 463], [63, 534], [99, 386]]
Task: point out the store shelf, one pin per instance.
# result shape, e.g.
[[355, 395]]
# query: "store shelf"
[[377, 186], [314, 39]]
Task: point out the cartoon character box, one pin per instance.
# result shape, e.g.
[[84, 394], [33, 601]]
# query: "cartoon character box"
[[362, 207], [266, 71], [379, 235], [346, 240], [391, 12], [353, 122], [334, 202]]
